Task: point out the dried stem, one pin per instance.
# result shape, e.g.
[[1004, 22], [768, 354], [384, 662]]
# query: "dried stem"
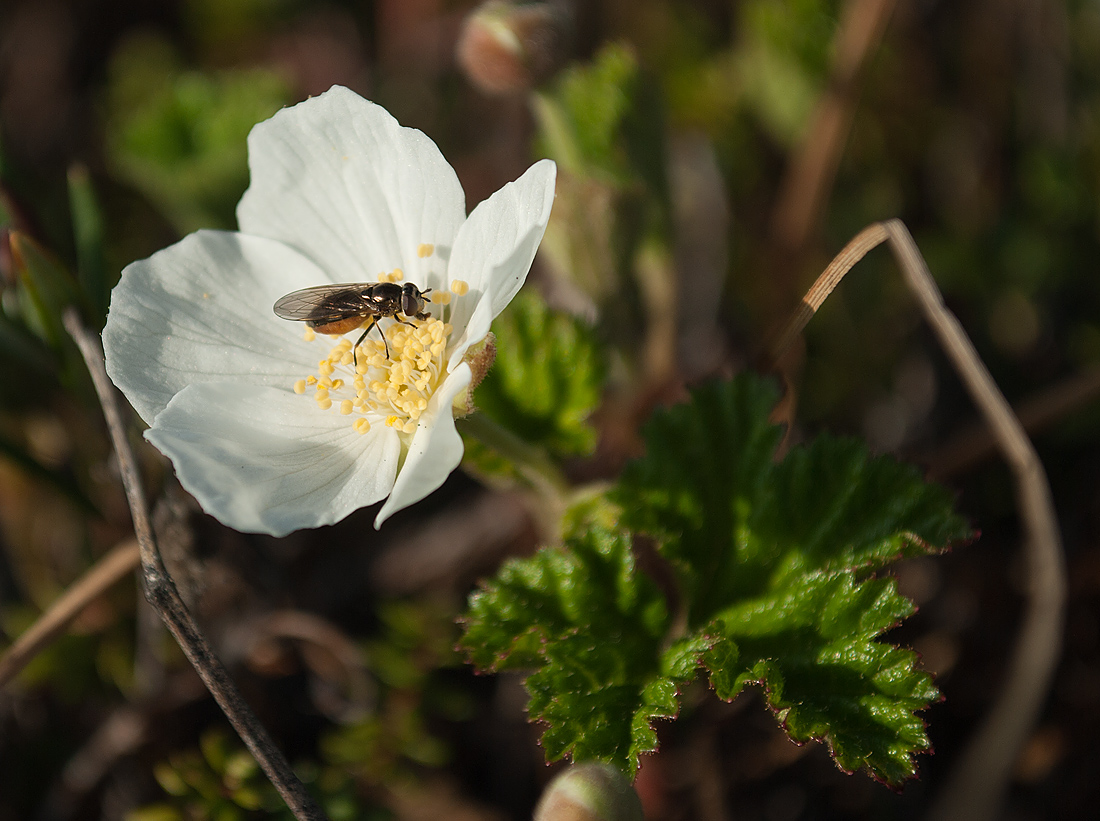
[[977, 443], [977, 786], [810, 175], [162, 594], [113, 567], [853, 252]]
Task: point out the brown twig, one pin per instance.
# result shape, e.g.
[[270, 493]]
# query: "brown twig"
[[116, 565], [853, 252], [978, 783], [977, 786], [162, 594], [976, 443], [810, 175]]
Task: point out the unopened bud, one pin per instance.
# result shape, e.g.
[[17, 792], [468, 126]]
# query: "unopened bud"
[[506, 48], [591, 791], [480, 358]]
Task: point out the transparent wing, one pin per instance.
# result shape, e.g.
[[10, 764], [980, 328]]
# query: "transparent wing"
[[321, 302]]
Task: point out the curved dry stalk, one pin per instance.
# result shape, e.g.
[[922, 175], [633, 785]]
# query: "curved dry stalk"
[[809, 177], [977, 786], [165, 598], [853, 252], [111, 568]]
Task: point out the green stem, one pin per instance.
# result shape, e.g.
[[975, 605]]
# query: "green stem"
[[532, 462]]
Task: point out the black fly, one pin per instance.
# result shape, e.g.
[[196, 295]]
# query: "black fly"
[[339, 309]]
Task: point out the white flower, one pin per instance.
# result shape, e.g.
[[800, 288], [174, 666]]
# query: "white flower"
[[269, 430]]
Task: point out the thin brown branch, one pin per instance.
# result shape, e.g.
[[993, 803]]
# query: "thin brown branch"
[[104, 574], [162, 594], [842, 263], [977, 786], [977, 442], [809, 178]]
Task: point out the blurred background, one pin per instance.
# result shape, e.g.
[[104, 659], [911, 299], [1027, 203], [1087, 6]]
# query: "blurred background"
[[713, 157]]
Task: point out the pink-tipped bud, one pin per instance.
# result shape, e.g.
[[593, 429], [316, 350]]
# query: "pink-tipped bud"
[[506, 48]]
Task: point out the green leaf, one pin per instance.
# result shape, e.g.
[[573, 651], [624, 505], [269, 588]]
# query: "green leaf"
[[46, 288], [88, 241], [179, 137], [581, 116], [592, 627], [734, 523], [811, 646], [773, 565], [773, 557], [547, 378]]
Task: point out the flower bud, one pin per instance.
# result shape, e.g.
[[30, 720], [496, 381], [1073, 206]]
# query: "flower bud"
[[506, 48], [592, 791], [480, 358]]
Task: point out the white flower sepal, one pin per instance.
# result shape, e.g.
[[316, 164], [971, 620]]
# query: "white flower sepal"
[[273, 431]]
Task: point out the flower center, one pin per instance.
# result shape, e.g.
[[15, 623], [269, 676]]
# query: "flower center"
[[372, 388]]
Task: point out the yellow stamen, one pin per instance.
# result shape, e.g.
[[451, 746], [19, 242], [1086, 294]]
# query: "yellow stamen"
[[372, 386], [396, 275], [424, 249], [460, 288], [309, 335]]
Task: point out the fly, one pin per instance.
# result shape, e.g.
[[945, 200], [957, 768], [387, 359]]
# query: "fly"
[[340, 309]]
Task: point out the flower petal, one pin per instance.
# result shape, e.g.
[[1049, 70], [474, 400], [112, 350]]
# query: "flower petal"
[[340, 180], [268, 461], [435, 449], [200, 311], [494, 250]]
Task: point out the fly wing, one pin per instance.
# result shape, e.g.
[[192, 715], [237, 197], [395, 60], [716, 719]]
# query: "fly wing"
[[322, 303]]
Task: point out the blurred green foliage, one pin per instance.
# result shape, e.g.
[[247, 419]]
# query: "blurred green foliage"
[[180, 136], [547, 378]]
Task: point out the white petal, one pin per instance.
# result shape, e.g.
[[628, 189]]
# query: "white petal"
[[200, 311], [268, 461], [340, 180], [435, 449], [495, 248]]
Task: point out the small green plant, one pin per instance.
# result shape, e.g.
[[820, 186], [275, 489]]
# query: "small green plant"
[[773, 566]]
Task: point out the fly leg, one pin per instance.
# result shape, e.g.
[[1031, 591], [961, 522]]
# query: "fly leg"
[[373, 323]]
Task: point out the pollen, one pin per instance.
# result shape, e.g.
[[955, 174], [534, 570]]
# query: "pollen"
[[425, 249], [372, 388], [441, 297], [460, 287], [309, 335]]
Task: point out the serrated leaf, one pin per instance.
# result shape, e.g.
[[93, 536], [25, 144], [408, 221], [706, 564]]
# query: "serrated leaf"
[[773, 564], [592, 627], [547, 378], [812, 648], [734, 523], [771, 555]]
